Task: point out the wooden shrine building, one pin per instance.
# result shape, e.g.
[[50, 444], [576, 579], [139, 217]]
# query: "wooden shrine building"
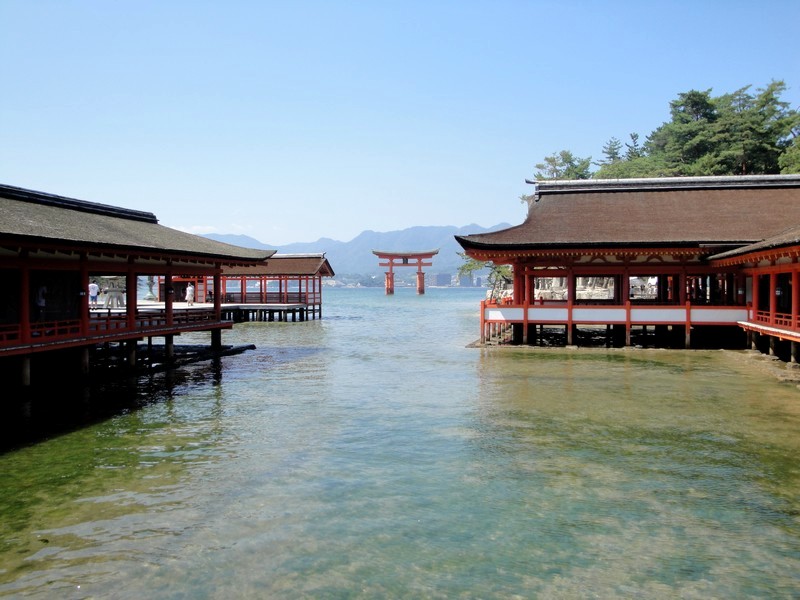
[[286, 284], [693, 259], [405, 259], [52, 248]]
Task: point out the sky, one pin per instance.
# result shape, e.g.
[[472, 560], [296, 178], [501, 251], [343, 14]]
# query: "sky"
[[296, 120]]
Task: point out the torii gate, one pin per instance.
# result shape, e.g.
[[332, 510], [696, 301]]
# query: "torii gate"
[[405, 260]]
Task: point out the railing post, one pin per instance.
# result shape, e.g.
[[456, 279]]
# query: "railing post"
[[483, 321], [569, 319], [627, 322], [773, 298], [688, 338], [795, 297]]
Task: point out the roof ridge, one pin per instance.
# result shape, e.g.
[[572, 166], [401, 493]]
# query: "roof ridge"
[[24, 195], [557, 186]]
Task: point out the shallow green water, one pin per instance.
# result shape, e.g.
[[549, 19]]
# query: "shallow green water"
[[371, 454]]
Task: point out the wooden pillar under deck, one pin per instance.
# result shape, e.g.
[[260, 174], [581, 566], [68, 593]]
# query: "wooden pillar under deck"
[[130, 350], [25, 373], [169, 347], [216, 339], [85, 363]]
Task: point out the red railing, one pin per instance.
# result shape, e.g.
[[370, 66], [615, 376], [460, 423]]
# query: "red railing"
[[777, 319], [269, 298], [10, 333], [101, 324]]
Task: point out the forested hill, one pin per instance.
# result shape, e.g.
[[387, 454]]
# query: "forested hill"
[[745, 132], [356, 257]]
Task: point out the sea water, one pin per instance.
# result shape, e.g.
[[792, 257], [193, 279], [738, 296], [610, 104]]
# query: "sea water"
[[373, 454]]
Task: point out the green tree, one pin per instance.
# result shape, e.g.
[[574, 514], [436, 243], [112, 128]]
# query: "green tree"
[[790, 159], [498, 275], [633, 150], [563, 165], [612, 152], [733, 134], [687, 137]]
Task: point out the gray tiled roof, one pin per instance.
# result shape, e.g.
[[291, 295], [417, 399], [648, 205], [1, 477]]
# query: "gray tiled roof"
[[26, 215], [286, 264], [788, 237], [666, 211]]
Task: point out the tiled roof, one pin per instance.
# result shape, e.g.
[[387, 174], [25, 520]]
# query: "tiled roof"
[[288, 265], [651, 212], [27, 215], [788, 237]]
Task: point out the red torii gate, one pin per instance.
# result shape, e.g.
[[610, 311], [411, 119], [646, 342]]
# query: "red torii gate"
[[405, 260]]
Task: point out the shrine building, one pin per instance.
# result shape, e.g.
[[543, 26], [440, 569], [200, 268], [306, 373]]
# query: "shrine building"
[[52, 248], [684, 261], [286, 287]]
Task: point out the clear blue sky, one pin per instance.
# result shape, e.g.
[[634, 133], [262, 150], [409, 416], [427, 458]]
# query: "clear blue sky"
[[294, 120]]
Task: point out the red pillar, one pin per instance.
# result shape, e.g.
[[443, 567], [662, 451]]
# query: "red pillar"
[[130, 297], [84, 297], [169, 298], [773, 299], [756, 284], [795, 296], [24, 299], [390, 278], [389, 281], [217, 293]]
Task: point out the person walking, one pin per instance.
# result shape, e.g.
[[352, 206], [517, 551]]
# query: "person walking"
[[190, 294]]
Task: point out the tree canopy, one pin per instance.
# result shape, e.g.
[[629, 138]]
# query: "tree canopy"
[[740, 133]]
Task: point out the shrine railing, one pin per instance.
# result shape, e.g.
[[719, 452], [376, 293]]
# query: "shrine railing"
[[102, 324], [567, 313]]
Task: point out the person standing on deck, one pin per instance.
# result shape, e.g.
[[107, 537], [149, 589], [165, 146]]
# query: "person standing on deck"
[[190, 294], [94, 290], [41, 302]]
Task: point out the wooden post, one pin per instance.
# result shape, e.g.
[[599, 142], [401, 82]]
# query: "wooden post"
[[217, 292], [25, 301], [169, 298], [795, 297], [84, 294], [420, 281], [26, 371], [389, 281], [131, 352], [773, 298], [688, 339], [130, 296], [84, 358], [169, 347], [627, 319]]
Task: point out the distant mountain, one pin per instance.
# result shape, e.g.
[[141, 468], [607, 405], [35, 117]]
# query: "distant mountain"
[[356, 257]]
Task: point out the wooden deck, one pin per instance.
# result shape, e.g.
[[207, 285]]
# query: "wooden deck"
[[112, 325], [497, 317]]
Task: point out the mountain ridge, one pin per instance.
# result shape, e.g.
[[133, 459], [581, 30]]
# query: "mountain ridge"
[[356, 257]]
